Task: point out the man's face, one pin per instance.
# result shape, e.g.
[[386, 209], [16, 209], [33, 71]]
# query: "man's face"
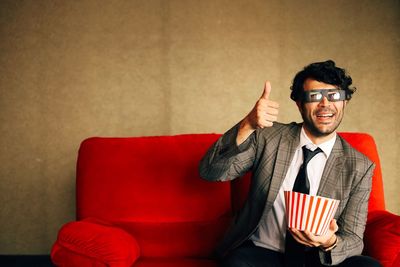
[[322, 118]]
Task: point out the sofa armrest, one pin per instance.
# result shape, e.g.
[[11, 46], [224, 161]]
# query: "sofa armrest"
[[95, 243], [382, 237]]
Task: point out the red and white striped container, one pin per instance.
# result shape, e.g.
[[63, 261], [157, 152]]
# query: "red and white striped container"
[[313, 213]]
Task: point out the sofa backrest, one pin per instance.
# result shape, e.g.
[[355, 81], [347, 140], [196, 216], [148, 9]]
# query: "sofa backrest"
[[108, 169], [148, 179]]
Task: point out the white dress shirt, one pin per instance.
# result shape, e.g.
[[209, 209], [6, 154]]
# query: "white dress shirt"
[[272, 228]]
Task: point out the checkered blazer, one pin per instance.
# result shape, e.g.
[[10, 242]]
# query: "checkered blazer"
[[268, 153]]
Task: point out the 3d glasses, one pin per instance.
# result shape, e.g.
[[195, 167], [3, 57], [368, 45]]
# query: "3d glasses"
[[331, 94]]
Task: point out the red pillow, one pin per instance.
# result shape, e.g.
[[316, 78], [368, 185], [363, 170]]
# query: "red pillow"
[[382, 238], [102, 243]]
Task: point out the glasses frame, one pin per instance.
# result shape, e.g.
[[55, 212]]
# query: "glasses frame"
[[306, 96]]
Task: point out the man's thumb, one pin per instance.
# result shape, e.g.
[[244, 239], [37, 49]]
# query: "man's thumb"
[[333, 225], [267, 90]]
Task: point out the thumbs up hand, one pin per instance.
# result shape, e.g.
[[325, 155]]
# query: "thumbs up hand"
[[265, 111], [262, 115]]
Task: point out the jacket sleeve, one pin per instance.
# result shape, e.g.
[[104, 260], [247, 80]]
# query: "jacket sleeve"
[[352, 220], [225, 160]]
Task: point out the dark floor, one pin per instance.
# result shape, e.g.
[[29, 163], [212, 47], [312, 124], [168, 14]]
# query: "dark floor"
[[24, 261]]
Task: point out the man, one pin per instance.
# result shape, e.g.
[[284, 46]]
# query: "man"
[[274, 152]]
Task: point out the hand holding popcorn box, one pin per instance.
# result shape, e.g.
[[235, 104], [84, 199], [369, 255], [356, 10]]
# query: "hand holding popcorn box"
[[312, 213]]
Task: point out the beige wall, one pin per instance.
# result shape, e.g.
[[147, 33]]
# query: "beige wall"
[[74, 69]]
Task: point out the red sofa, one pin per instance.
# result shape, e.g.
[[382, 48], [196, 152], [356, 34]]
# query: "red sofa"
[[140, 202]]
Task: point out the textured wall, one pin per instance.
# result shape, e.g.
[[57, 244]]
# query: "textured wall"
[[74, 69]]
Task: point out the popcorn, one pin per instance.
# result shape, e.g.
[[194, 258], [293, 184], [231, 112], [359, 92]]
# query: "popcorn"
[[306, 212]]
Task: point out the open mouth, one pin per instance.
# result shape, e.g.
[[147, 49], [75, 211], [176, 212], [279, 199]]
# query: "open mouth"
[[325, 115]]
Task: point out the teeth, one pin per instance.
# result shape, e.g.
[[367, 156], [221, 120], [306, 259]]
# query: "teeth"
[[325, 115]]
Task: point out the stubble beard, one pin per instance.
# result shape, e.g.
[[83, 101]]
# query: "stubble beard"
[[310, 125]]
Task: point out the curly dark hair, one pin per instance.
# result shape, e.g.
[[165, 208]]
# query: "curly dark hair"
[[325, 72]]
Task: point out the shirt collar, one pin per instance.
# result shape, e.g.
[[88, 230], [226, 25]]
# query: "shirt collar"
[[326, 146]]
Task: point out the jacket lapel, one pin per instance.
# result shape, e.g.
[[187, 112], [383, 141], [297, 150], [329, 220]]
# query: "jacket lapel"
[[286, 150], [331, 180]]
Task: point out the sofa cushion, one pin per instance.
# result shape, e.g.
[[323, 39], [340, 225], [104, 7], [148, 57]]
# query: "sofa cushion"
[[175, 262], [177, 239], [92, 240]]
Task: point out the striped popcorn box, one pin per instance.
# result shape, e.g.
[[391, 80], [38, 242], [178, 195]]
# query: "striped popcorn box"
[[313, 213]]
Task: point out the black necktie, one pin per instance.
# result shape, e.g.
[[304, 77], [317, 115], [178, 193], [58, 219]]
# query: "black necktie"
[[302, 184], [294, 251]]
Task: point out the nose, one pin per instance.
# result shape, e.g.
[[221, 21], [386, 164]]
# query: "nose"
[[324, 101]]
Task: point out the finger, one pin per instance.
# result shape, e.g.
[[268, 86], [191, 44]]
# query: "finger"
[[262, 123], [333, 226], [318, 240], [264, 119], [273, 104], [268, 123], [271, 118], [310, 238], [264, 103], [267, 90], [272, 111], [296, 235]]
